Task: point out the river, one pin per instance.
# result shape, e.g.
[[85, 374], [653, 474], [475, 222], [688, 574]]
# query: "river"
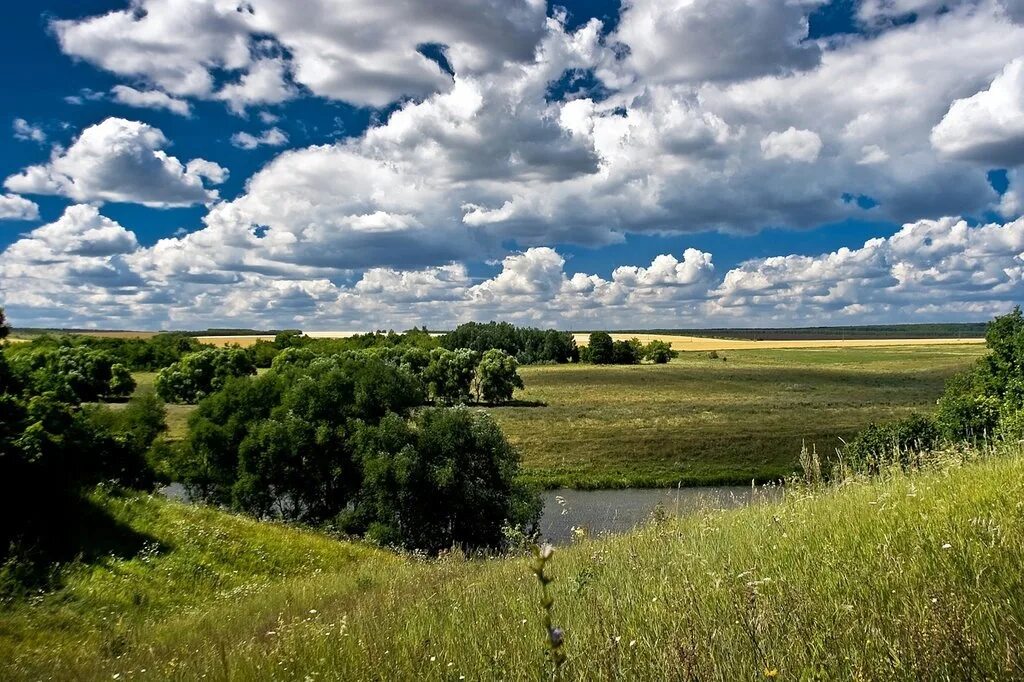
[[618, 511]]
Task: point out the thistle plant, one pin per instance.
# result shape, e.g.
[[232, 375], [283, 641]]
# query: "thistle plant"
[[555, 636]]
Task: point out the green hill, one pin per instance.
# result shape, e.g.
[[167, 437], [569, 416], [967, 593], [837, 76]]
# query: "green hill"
[[914, 576]]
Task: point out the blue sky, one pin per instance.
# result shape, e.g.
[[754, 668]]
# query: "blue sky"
[[683, 163]]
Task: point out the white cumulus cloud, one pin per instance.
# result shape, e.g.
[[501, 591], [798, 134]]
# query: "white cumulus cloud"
[[14, 207], [989, 125], [150, 99], [120, 160]]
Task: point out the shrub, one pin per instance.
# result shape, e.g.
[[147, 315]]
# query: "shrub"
[[659, 352], [900, 443], [73, 374], [198, 375]]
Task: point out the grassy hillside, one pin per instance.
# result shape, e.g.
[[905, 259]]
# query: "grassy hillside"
[[907, 578], [703, 421]]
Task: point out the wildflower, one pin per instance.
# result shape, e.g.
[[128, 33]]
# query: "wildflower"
[[771, 672], [556, 637], [947, 546]]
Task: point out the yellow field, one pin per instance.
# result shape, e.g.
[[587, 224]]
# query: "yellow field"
[[249, 339], [700, 343]]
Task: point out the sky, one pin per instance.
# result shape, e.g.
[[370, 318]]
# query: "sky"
[[365, 164]]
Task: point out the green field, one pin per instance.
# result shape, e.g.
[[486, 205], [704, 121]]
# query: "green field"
[[703, 421], [914, 576], [698, 421]]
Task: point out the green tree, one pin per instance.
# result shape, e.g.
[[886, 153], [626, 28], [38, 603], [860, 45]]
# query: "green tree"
[[450, 374], [601, 348], [627, 352], [659, 352], [497, 377], [448, 478], [197, 375]]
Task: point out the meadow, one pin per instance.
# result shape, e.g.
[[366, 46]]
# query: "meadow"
[[703, 421], [903, 577]]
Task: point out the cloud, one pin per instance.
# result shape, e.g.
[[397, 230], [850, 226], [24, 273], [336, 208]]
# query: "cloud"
[[120, 160], [362, 51], [792, 144], [74, 267], [694, 41], [13, 207], [23, 130], [274, 137], [86, 266], [988, 126], [150, 99]]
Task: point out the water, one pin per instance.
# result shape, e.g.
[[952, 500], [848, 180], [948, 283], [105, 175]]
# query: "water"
[[619, 511], [614, 511]]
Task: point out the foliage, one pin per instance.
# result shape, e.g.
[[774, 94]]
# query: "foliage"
[[527, 345], [900, 443], [659, 352], [497, 377], [450, 374], [627, 352], [446, 478], [51, 450], [601, 349], [73, 374], [975, 402], [294, 443], [136, 354], [263, 353], [197, 375]]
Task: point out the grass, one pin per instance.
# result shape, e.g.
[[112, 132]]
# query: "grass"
[[698, 421], [910, 577]]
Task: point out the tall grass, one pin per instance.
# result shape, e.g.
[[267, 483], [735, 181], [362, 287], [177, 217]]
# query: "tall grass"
[[911, 576]]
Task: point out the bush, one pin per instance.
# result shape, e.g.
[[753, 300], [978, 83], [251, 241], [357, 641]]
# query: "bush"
[[51, 453], [659, 352], [627, 352], [279, 443], [198, 375], [901, 443]]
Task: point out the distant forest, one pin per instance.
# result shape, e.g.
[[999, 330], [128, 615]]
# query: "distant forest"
[[881, 331]]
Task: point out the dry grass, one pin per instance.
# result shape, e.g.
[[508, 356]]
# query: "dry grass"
[[706, 344]]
